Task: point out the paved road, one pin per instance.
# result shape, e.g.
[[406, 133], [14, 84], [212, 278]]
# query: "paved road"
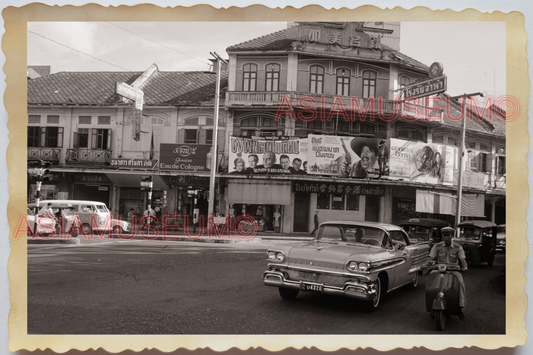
[[170, 287]]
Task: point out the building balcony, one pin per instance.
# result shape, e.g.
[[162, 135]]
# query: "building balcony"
[[88, 156], [52, 155], [298, 100]]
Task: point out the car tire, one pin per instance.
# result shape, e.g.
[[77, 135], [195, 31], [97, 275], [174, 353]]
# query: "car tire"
[[371, 306], [288, 294], [86, 229], [117, 231], [491, 260], [414, 283]]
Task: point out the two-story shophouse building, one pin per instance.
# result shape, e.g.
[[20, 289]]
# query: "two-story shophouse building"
[[100, 147], [316, 128]]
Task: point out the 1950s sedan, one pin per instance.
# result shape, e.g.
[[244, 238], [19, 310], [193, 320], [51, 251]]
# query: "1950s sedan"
[[361, 260]]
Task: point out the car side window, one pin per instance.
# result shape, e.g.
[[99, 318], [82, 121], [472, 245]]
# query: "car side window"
[[398, 238]]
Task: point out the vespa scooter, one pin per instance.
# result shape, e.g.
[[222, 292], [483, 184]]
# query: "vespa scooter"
[[442, 294]]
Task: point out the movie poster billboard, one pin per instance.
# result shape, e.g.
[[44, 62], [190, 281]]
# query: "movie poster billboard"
[[422, 162], [185, 157], [356, 157], [267, 156]]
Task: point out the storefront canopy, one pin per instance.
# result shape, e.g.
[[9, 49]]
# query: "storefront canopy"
[[134, 180], [472, 205], [260, 192]]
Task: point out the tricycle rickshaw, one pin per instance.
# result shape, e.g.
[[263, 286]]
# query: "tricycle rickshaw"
[[478, 239], [422, 230]]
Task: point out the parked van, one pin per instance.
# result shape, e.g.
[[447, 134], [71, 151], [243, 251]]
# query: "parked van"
[[93, 215]]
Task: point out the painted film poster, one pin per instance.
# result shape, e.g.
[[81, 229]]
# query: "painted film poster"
[[185, 157], [264, 156], [348, 156], [422, 162]]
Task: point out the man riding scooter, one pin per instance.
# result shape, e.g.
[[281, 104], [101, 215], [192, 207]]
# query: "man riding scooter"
[[449, 253]]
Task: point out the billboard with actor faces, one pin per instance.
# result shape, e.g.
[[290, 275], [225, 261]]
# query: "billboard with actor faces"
[[422, 162], [267, 156], [356, 157]]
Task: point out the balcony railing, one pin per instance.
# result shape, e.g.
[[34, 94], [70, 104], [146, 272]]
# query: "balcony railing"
[[88, 156], [297, 100], [52, 155]]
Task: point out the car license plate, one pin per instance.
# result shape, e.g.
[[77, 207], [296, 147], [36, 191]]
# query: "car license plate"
[[311, 287]]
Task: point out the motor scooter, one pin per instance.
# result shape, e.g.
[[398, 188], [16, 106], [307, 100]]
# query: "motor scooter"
[[442, 294]]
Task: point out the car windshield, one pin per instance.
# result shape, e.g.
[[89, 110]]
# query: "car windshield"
[[334, 233], [469, 233], [102, 208], [418, 233]]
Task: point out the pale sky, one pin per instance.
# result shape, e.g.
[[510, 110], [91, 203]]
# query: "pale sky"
[[473, 53]]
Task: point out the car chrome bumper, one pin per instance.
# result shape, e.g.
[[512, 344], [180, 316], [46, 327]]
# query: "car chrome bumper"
[[350, 289]]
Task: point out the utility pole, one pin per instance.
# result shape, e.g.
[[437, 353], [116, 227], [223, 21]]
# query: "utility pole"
[[461, 155], [38, 175], [214, 149]]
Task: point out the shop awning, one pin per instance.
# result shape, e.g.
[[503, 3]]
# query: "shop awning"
[[260, 192], [134, 180], [472, 205]]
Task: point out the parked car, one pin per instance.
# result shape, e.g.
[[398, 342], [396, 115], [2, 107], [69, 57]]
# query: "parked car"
[[361, 260], [90, 213], [500, 237], [478, 239], [424, 230], [46, 228]]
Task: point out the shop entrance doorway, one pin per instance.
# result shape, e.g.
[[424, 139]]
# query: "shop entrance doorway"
[[301, 212]]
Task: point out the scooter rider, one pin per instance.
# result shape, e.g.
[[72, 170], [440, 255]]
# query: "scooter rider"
[[447, 252]]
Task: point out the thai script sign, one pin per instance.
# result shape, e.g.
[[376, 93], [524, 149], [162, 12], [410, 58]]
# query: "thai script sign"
[[338, 188], [426, 88], [348, 156], [422, 162], [262, 156], [185, 157], [134, 163]]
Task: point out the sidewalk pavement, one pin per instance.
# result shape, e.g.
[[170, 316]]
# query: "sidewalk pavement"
[[180, 235]]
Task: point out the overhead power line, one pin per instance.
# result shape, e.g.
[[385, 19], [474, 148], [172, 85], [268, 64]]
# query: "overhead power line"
[[161, 44], [88, 55]]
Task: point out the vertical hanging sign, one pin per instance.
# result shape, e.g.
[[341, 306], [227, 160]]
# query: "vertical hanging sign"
[[132, 93]]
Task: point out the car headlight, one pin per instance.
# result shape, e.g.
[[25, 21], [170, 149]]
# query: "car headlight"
[[363, 266], [352, 266], [276, 256]]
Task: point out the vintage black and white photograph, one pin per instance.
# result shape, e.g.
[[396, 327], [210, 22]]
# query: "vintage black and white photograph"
[[266, 178]]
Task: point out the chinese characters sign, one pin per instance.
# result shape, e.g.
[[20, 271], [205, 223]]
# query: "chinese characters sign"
[[338, 188]]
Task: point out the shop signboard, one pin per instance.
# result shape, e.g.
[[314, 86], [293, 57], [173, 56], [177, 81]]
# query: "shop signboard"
[[348, 156], [266, 156], [142, 164], [350, 189], [426, 88], [422, 162], [185, 157]]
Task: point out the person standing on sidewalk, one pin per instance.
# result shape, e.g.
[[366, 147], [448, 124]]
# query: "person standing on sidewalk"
[[317, 221]]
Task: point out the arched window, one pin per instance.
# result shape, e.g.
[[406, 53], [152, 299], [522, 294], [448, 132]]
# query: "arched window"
[[369, 84], [249, 77], [272, 77], [343, 82], [404, 81], [316, 79]]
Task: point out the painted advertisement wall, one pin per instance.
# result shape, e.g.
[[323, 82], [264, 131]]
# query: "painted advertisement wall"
[[265, 156], [348, 156], [422, 162]]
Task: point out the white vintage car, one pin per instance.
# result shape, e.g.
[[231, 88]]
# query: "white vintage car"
[[361, 260]]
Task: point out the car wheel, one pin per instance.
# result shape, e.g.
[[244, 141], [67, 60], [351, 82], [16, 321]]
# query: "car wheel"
[[373, 305], [117, 231], [288, 294], [86, 229], [440, 320], [491, 260], [414, 283]]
